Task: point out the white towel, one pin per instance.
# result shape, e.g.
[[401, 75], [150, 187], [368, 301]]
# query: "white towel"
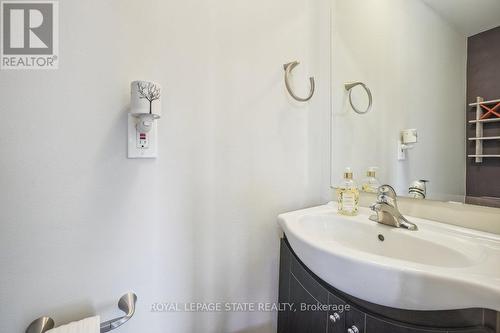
[[87, 325]]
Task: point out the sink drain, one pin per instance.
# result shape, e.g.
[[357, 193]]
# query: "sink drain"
[[381, 237]]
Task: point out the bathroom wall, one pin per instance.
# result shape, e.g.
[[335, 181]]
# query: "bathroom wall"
[[81, 224], [414, 62], [483, 71]]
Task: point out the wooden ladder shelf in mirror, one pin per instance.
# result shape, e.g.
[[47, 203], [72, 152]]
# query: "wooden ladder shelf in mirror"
[[492, 115]]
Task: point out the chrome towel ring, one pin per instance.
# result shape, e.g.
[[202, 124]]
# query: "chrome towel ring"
[[288, 70], [349, 85]]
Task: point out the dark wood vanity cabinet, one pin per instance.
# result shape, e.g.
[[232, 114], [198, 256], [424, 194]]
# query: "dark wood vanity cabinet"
[[312, 306]]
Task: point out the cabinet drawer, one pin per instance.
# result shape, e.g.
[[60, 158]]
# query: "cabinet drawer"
[[375, 325]]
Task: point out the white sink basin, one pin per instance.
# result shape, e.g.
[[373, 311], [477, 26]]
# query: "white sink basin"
[[438, 267]]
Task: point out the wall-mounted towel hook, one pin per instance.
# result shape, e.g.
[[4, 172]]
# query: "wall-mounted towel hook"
[[126, 304], [349, 85], [288, 70]]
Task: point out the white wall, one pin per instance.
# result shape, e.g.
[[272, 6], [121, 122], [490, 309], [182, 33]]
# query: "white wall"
[[414, 62], [81, 224]]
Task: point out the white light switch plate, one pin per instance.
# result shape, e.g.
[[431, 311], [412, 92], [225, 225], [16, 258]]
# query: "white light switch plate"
[[135, 150]]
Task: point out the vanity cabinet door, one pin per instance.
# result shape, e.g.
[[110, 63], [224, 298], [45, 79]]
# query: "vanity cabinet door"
[[284, 286], [309, 299], [336, 315], [304, 321], [355, 318]]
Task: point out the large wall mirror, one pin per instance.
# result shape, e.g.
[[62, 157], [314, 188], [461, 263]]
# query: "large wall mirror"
[[433, 69]]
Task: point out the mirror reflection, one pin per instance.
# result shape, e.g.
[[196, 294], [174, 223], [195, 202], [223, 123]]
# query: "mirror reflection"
[[433, 70]]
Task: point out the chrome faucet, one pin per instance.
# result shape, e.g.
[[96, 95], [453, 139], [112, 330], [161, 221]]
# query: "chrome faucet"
[[386, 209]]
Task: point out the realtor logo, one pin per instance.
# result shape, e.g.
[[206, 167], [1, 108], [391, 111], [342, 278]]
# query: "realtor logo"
[[29, 32]]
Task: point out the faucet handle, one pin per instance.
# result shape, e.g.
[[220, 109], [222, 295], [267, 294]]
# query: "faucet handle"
[[376, 207], [387, 190], [383, 198], [387, 194]]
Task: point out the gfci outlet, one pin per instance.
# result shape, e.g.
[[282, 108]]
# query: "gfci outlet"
[[141, 144], [142, 140]]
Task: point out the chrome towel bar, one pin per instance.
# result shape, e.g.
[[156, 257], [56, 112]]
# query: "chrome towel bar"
[[288, 70], [126, 303]]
